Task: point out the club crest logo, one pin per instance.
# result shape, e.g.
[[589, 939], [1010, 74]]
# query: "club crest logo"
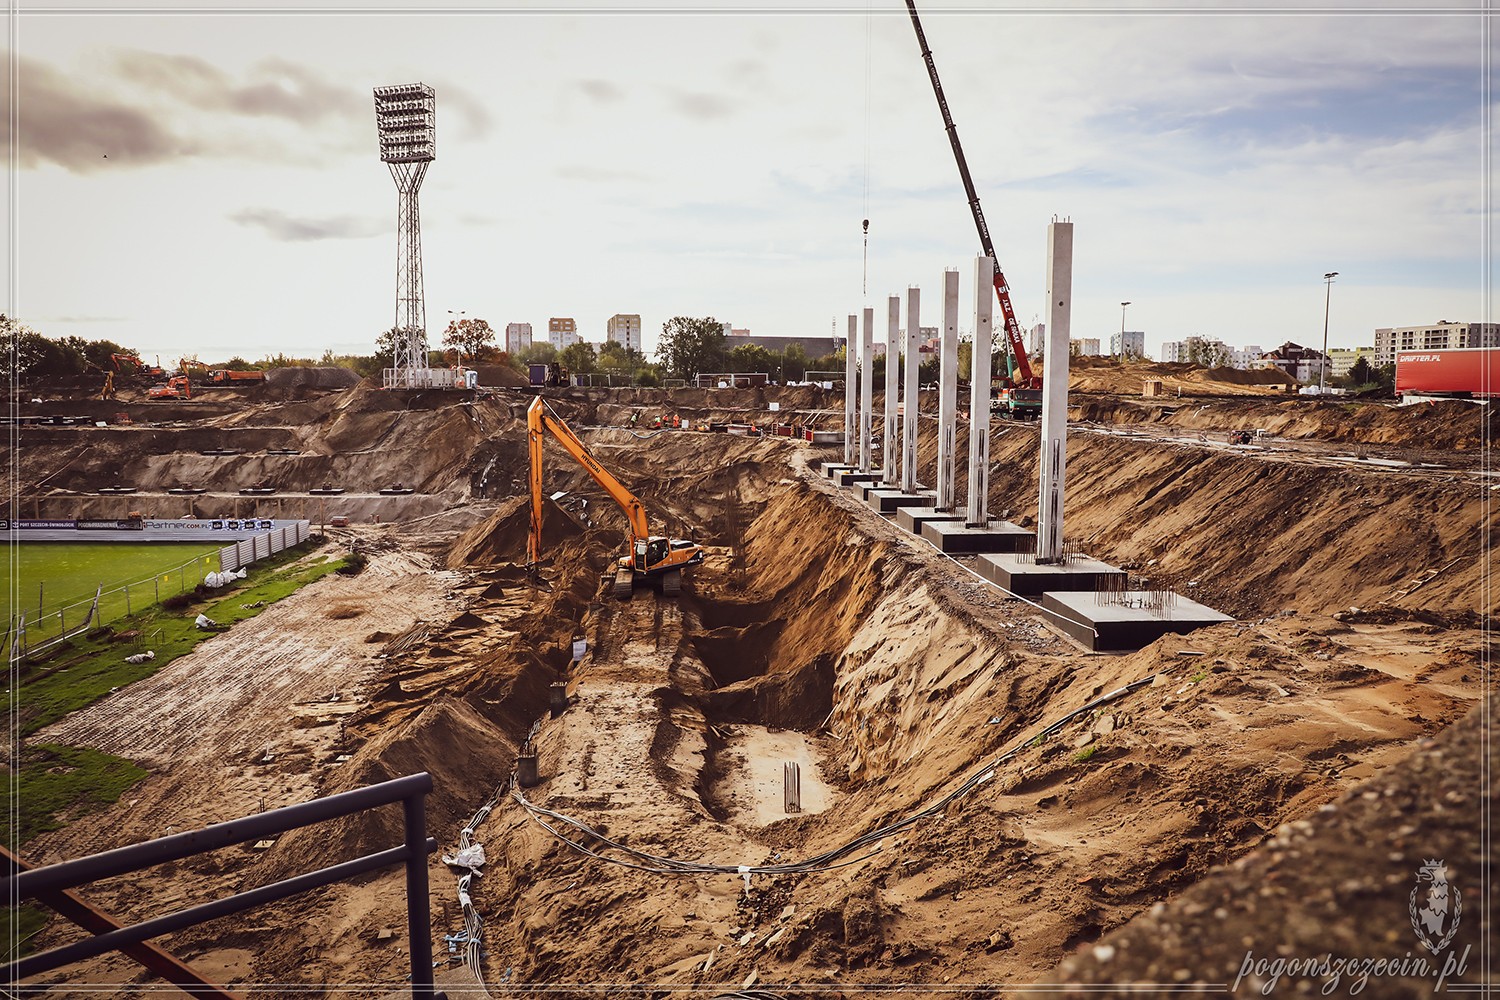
[[1435, 907]]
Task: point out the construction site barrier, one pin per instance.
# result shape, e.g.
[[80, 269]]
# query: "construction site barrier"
[[247, 551], [49, 883], [32, 633]]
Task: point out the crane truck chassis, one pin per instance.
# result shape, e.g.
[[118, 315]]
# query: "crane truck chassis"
[[647, 557]]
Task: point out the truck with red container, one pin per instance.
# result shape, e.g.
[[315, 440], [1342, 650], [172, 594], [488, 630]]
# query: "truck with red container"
[[1463, 372]]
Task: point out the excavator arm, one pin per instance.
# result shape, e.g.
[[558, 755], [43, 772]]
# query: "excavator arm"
[[538, 423]]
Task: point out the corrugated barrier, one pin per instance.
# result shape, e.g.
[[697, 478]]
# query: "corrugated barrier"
[[245, 552], [30, 633]]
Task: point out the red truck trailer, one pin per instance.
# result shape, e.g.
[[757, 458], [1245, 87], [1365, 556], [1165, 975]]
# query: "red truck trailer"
[[1466, 371]]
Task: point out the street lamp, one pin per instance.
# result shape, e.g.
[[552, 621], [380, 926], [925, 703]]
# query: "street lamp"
[[1122, 328], [1323, 368], [460, 314]]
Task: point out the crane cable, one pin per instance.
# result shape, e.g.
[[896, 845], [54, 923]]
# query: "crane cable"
[[864, 283]]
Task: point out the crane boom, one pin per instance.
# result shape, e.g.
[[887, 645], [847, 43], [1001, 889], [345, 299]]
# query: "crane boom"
[[1002, 290]]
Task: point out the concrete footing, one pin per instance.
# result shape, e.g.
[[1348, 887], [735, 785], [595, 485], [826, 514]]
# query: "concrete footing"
[[1021, 574], [855, 478], [994, 536], [831, 469], [888, 499], [912, 518], [1128, 620]]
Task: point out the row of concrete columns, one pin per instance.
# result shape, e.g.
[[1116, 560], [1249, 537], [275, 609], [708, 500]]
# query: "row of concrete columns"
[[902, 472]]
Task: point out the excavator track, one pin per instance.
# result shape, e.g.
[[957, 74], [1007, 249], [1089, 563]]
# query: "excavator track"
[[671, 583], [624, 584]]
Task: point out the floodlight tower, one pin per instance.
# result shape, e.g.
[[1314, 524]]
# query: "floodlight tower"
[[406, 116]]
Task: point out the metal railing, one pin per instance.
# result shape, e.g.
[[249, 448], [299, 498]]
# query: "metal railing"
[[411, 791]]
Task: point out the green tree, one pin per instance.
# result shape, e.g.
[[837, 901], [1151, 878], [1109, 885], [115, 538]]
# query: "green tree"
[[25, 353], [690, 346], [472, 337], [539, 353], [1360, 373], [752, 358], [385, 347], [794, 363], [614, 356], [1209, 354], [579, 358]]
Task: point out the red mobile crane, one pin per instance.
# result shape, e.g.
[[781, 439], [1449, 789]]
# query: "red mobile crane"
[[1020, 393]]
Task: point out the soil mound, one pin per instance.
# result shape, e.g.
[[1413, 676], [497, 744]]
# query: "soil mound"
[[501, 537], [312, 378], [1127, 378], [503, 376]]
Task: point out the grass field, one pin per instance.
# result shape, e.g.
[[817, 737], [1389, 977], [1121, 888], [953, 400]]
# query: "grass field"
[[67, 573]]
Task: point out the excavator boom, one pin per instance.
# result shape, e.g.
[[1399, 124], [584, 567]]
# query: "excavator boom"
[[645, 555]]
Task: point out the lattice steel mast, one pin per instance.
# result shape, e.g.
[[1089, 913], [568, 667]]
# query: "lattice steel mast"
[[406, 117]]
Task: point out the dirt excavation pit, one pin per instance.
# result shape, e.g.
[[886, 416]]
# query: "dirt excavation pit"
[[752, 787], [817, 633]]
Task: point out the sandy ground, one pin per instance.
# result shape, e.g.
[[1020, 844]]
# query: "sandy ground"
[[820, 633]]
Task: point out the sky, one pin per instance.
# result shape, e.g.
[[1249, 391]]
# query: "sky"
[[206, 180]]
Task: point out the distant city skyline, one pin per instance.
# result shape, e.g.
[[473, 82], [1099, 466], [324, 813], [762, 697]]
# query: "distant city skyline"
[[206, 181]]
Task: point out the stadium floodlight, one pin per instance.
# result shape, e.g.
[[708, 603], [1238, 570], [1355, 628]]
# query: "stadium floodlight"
[[406, 117]]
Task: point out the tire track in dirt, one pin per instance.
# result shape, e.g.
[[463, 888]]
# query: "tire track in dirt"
[[205, 721]]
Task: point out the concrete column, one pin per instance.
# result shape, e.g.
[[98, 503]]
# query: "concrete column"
[[851, 371], [948, 392], [909, 414], [866, 390], [892, 390], [979, 394], [1054, 459]]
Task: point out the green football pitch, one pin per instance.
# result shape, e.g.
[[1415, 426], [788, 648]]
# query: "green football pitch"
[[60, 574]]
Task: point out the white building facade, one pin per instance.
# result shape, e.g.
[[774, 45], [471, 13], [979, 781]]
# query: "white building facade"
[[562, 332], [1440, 336], [517, 337], [624, 329], [1129, 344]]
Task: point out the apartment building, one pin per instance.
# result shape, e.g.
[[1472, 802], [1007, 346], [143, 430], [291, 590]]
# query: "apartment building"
[[1439, 336], [624, 329], [517, 337], [562, 332]]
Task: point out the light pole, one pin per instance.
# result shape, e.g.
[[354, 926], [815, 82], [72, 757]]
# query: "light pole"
[[1323, 368], [1122, 329], [460, 314]]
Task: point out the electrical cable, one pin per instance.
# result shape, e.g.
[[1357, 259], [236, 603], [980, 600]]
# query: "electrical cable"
[[826, 861]]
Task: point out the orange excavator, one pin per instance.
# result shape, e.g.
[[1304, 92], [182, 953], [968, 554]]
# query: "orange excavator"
[[647, 557]]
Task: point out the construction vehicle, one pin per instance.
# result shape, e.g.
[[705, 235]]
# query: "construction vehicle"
[[131, 364], [647, 557], [107, 390], [551, 375], [177, 387], [224, 375], [1014, 395]]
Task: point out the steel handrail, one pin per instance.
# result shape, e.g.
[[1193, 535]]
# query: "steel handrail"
[[410, 791]]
